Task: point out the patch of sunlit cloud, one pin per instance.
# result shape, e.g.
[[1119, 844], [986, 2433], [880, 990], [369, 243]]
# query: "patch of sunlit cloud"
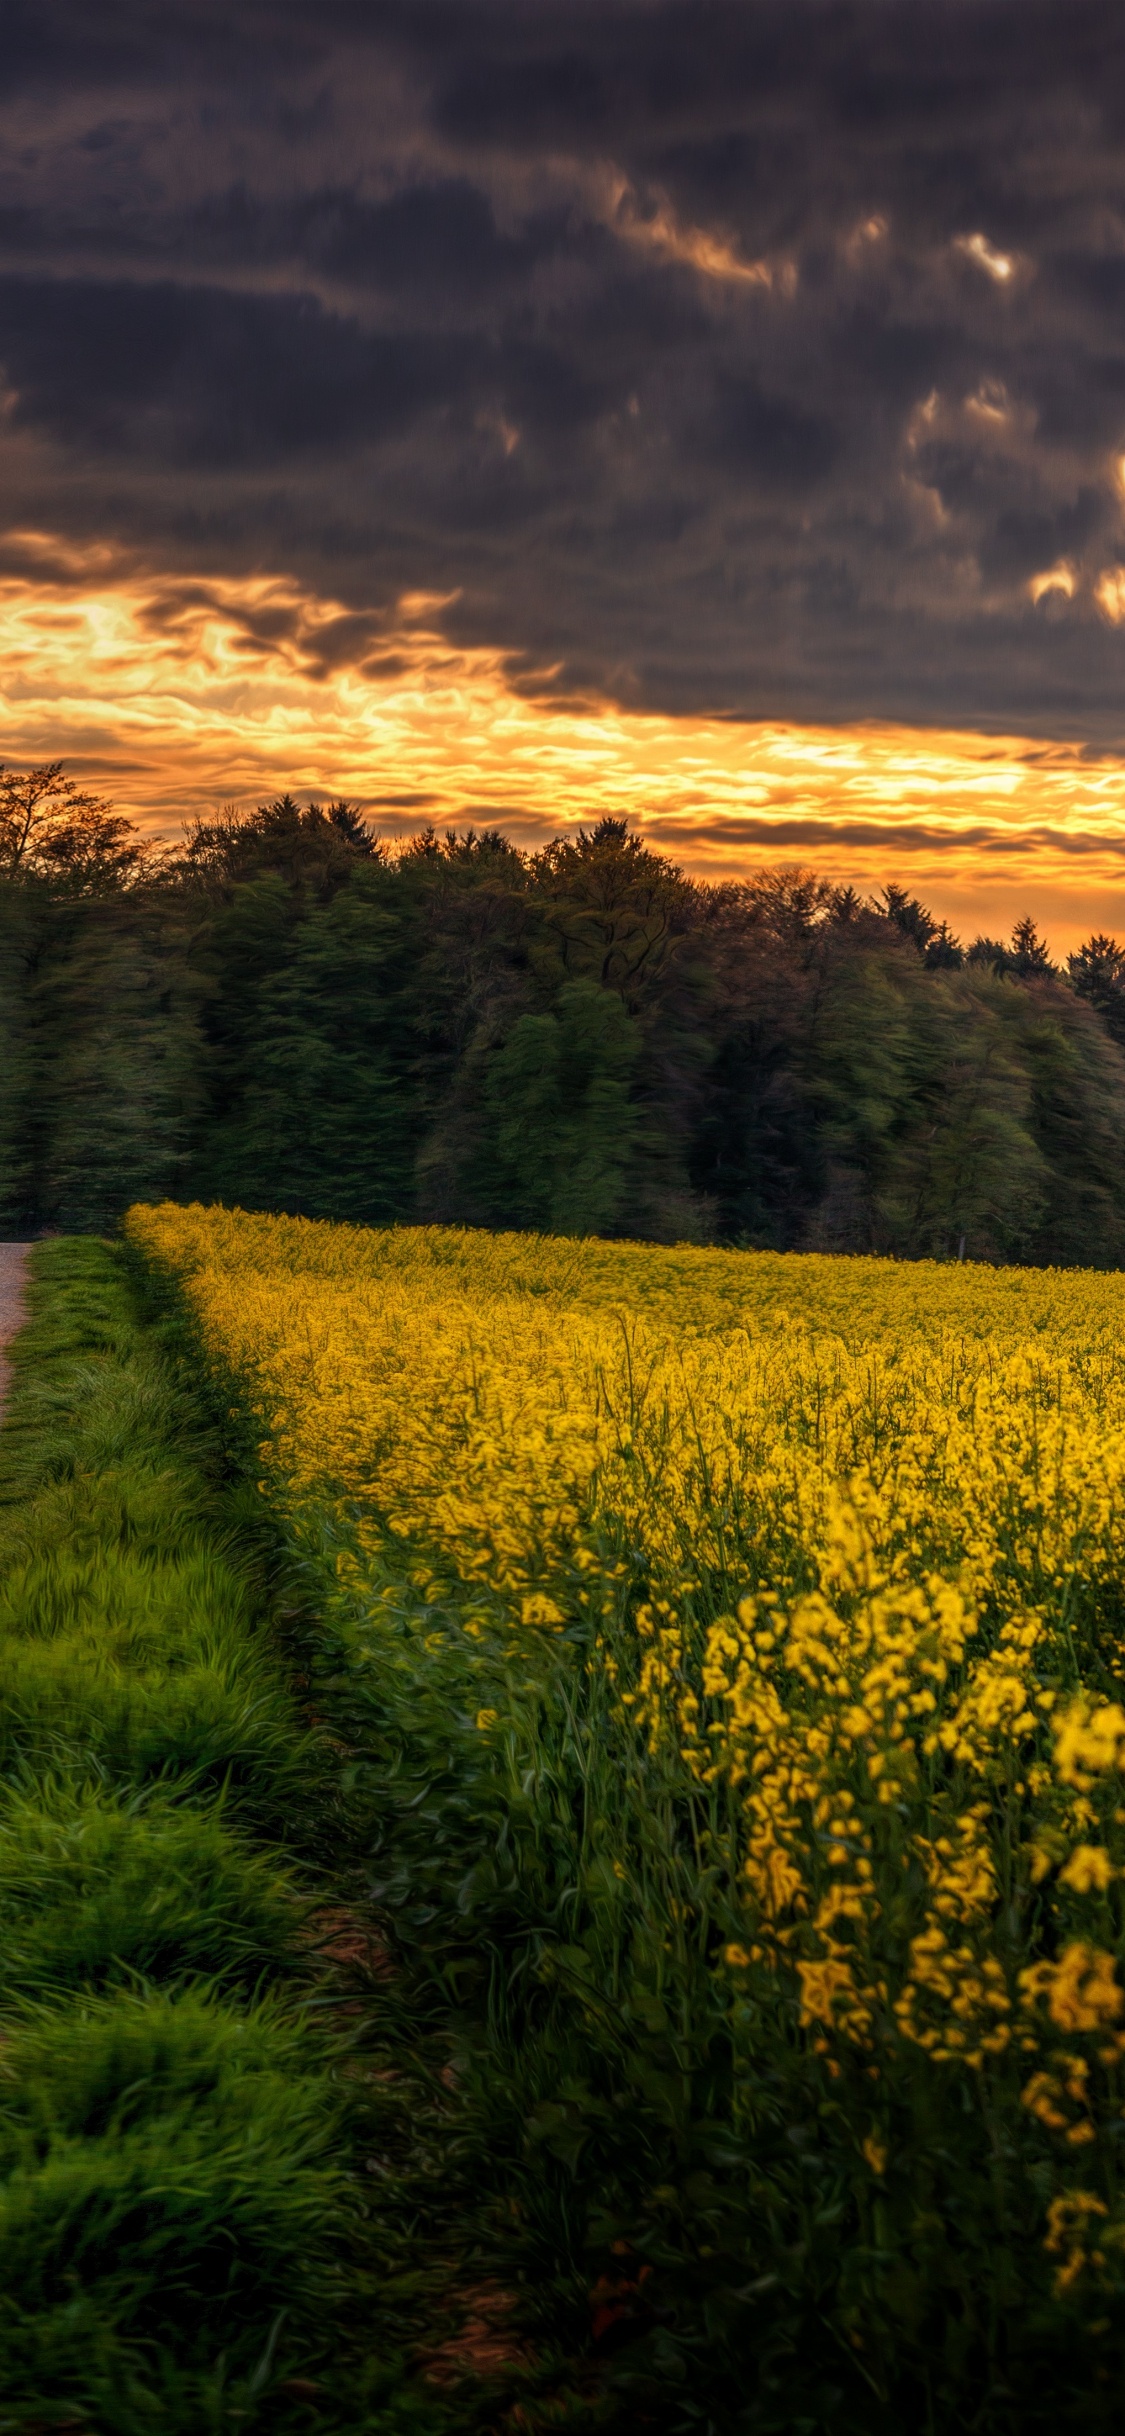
[[1109, 593], [659, 230], [51, 551], [177, 693], [1061, 579], [499, 428], [988, 258], [989, 412], [865, 234], [990, 403], [922, 420]]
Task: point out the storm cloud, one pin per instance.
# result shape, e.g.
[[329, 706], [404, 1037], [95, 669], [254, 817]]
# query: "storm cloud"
[[754, 360]]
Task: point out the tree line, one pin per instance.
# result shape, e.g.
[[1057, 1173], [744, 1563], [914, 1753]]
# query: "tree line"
[[285, 1013]]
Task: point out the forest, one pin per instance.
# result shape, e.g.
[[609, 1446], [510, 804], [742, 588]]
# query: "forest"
[[286, 1014]]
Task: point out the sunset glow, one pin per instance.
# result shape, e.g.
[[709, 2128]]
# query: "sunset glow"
[[178, 694]]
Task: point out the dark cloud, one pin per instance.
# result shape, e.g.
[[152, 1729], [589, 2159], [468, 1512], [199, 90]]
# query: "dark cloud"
[[770, 440], [181, 375], [748, 358], [439, 239], [973, 844]]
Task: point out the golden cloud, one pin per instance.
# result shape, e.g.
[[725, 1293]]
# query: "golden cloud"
[[988, 258], [1109, 593], [1060, 578], [661, 231], [178, 693]]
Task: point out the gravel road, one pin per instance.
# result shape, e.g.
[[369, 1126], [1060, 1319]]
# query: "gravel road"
[[13, 1261]]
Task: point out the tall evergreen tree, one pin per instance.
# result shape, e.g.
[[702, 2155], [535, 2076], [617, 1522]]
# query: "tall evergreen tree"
[[1097, 974]]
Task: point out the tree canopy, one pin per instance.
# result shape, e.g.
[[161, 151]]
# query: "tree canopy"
[[286, 1013]]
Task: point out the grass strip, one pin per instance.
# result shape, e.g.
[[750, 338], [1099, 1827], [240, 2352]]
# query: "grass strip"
[[187, 2241]]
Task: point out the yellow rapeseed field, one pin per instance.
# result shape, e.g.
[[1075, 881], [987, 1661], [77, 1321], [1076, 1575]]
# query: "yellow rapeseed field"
[[843, 1542]]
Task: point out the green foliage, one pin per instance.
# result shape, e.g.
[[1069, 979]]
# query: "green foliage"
[[564, 1124], [327, 1128], [116, 1051], [970, 1180], [1064, 1057], [1097, 974], [100, 1088], [287, 1015], [17, 952], [961, 1113]]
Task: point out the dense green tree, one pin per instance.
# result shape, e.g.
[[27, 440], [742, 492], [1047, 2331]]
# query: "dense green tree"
[[240, 946], [615, 913], [1077, 1079], [563, 1123], [312, 850], [615, 909], [993, 954], [968, 1177], [935, 942], [1028, 951], [112, 1058], [862, 1067], [1097, 973], [1024, 954], [20, 941], [328, 1110]]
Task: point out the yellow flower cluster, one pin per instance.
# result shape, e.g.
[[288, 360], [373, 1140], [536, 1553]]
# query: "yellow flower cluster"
[[846, 1540]]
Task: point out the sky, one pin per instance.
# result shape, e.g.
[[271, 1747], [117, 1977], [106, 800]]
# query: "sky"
[[516, 410]]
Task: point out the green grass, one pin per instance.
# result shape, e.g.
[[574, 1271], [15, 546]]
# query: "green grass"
[[167, 2186], [186, 2237], [101, 1884]]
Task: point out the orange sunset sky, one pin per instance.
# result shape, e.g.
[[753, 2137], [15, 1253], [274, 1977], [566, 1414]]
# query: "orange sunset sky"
[[174, 695]]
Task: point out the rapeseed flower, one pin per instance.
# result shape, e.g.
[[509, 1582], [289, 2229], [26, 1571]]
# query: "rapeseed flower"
[[839, 1543]]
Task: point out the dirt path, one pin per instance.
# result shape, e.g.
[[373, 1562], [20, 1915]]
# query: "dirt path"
[[13, 1261]]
